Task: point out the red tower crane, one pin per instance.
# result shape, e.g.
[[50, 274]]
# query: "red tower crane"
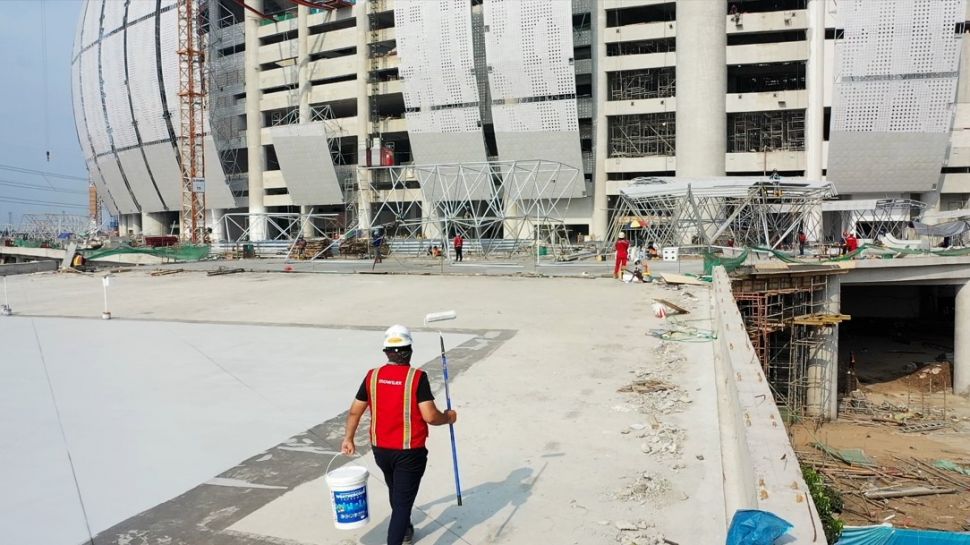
[[192, 127]]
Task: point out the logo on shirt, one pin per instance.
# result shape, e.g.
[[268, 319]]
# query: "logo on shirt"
[[390, 382]]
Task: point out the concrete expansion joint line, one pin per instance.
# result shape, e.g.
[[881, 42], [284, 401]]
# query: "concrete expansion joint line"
[[60, 425]]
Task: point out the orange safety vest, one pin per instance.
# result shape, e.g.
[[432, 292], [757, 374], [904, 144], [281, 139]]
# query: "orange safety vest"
[[396, 421]]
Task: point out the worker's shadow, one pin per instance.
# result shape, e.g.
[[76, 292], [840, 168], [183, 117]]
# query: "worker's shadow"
[[480, 504]]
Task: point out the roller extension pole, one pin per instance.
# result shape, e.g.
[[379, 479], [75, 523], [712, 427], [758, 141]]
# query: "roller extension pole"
[[439, 317], [451, 427]]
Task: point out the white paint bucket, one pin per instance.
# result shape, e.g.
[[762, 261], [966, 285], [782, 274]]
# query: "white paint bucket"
[[348, 497]]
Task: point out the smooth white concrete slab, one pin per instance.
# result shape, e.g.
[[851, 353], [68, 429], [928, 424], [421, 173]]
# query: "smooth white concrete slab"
[[151, 409]]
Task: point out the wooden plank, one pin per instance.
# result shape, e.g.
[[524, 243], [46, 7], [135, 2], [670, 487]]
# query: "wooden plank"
[[674, 278]]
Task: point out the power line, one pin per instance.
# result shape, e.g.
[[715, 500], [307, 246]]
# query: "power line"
[[40, 187], [33, 202], [23, 170]]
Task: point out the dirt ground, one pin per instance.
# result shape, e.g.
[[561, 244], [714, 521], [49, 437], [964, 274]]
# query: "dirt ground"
[[898, 384]]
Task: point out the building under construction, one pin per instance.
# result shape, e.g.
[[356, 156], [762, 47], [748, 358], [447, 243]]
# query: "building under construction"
[[304, 98]]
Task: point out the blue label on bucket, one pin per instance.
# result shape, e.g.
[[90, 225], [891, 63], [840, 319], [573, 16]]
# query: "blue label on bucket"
[[350, 505]]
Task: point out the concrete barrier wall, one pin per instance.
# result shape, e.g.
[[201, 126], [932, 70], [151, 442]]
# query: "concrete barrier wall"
[[10, 269], [761, 470]]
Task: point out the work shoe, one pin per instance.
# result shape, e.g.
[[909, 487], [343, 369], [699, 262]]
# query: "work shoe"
[[409, 535]]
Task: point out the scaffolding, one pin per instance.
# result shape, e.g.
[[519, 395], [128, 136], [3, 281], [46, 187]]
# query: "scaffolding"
[[791, 325], [643, 135], [51, 227], [640, 84], [782, 130], [730, 211]]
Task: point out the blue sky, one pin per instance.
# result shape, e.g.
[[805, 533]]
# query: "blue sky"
[[25, 132]]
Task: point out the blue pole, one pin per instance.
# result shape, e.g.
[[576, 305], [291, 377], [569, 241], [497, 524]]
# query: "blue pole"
[[451, 427]]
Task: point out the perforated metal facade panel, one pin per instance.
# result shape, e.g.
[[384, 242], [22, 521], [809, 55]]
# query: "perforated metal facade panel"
[[529, 47], [434, 42], [896, 75]]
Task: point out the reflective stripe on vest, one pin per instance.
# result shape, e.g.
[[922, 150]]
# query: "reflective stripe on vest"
[[408, 383], [373, 405]]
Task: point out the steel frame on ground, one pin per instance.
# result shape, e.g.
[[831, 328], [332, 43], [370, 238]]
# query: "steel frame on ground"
[[750, 211]]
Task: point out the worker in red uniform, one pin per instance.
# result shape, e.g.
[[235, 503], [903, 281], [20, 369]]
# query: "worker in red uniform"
[[622, 251], [459, 242], [401, 407], [851, 242]]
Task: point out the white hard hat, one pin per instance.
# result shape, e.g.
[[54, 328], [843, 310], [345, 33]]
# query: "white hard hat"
[[397, 336], [622, 235]]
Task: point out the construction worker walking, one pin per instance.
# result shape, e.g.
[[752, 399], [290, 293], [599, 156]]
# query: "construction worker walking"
[[401, 406]]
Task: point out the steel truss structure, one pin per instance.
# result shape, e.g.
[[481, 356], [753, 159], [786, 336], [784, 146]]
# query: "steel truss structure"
[[869, 218], [757, 211], [499, 207], [52, 226]]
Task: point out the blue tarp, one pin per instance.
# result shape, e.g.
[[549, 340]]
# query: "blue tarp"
[[753, 527], [887, 535]]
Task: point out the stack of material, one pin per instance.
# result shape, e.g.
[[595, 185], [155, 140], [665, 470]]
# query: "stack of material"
[[314, 247]]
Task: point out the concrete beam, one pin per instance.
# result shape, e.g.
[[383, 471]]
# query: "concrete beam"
[[11, 269]]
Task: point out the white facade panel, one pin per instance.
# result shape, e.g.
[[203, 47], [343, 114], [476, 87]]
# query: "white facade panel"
[[217, 193], [306, 164], [133, 165], [92, 22], [437, 66], [140, 8], [116, 184], [170, 62], [532, 82], [93, 110], [529, 46], [168, 176], [896, 74], [120, 124], [102, 188], [114, 16], [434, 41], [143, 73]]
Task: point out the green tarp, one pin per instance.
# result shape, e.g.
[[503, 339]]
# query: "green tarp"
[[174, 253]]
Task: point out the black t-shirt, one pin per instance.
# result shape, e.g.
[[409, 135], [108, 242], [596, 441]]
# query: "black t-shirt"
[[424, 390]]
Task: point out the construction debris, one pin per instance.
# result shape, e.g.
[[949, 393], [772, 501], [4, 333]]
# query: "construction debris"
[[224, 270], [895, 492], [923, 426], [674, 278], [166, 272]]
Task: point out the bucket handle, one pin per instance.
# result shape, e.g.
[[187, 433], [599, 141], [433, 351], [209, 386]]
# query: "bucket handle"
[[335, 456]]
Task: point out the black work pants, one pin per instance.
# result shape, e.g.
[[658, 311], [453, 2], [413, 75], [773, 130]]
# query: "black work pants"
[[458, 253], [402, 470]]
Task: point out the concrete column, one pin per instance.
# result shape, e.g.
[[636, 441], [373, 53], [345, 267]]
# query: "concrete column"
[[815, 84], [303, 82], [599, 228], [823, 369], [154, 224], [961, 341], [218, 226], [701, 87], [254, 122], [364, 196], [132, 223]]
